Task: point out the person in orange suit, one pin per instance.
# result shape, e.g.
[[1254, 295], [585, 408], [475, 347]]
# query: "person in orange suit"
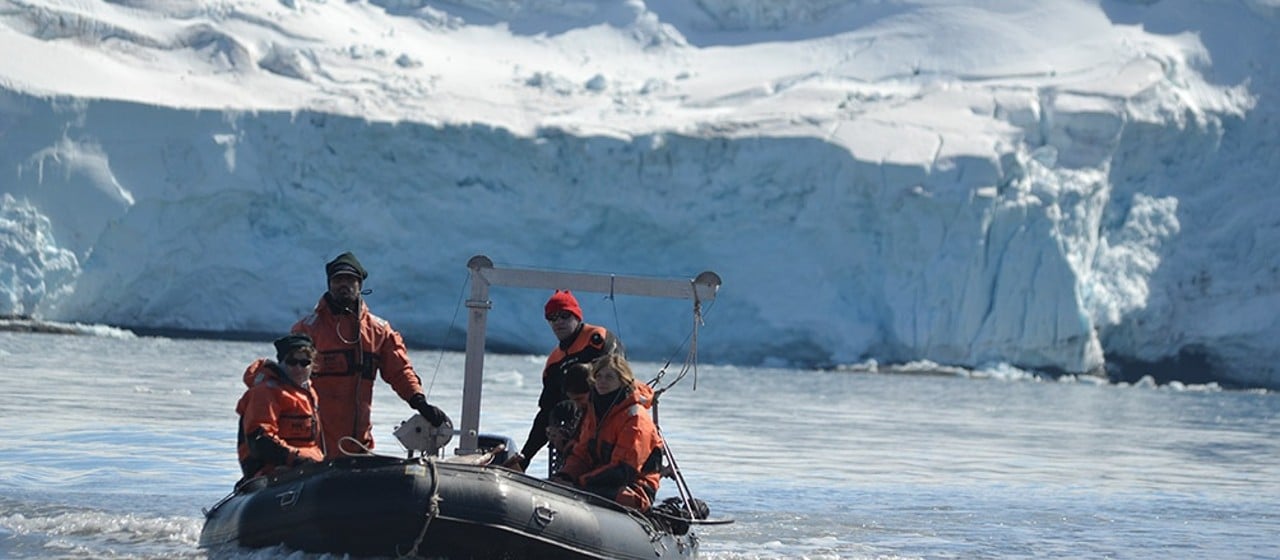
[[618, 453], [565, 419], [577, 343], [279, 427], [354, 345]]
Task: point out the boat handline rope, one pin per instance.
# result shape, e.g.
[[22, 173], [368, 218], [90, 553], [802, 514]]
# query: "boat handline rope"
[[225, 499], [433, 510]]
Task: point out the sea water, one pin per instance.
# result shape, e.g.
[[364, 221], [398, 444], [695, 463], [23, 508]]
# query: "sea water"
[[111, 445]]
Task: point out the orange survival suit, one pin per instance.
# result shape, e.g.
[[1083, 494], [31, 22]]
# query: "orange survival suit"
[[618, 456], [344, 375], [589, 343], [278, 422]]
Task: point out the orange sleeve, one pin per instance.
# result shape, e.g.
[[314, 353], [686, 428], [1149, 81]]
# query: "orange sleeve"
[[396, 369], [262, 412]]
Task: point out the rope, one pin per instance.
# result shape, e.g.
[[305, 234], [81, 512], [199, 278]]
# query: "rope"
[[366, 452], [433, 510], [337, 329], [355, 395], [452, 321], [690, 363], [685, 495], [225, 499], [613, 302], [691, 357], [693, 346]]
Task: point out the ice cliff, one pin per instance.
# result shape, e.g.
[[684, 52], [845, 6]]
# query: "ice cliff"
[[1078, 187]]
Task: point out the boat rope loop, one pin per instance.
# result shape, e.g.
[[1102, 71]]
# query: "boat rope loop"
[[362, 451], [433, 510], [690, 359]]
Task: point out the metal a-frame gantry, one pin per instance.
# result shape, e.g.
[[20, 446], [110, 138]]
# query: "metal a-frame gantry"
[[701, 288]]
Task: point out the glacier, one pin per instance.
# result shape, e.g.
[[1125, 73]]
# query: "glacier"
[[1074, 188]]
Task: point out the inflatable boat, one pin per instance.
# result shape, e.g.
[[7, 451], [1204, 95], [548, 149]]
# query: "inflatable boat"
[[463, 506], [428, 508]]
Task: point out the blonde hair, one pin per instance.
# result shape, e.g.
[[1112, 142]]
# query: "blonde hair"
[[617, 363]]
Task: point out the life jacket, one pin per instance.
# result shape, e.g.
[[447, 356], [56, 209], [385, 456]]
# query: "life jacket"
[[278, 421], [591, 342], [625, 436], [588, 343], [344, 374]]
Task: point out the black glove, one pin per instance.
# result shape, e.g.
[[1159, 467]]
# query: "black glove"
[[429, 411]]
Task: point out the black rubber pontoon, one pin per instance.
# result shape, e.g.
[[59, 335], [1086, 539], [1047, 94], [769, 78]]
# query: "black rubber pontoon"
[[383, 506]]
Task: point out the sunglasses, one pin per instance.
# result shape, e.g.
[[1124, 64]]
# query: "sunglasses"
[[559, 316], [293, 362]]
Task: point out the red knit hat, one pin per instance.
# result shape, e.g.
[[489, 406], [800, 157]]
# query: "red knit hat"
[[562, 300]]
